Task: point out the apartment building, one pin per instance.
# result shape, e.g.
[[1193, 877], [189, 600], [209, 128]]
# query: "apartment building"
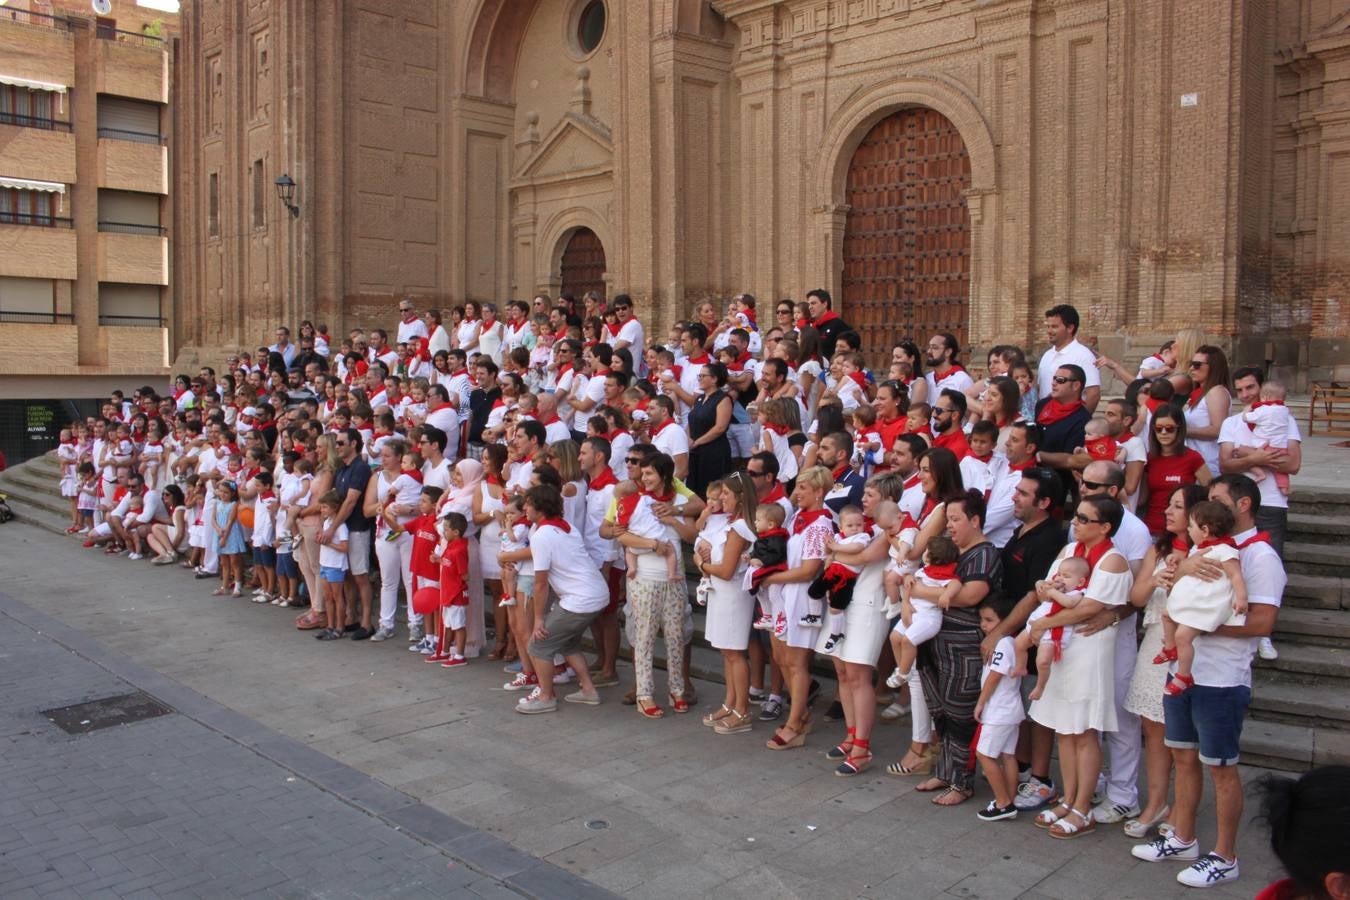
[[84, 201]]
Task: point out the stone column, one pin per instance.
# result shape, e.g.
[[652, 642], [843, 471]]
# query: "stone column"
[[83, 199]]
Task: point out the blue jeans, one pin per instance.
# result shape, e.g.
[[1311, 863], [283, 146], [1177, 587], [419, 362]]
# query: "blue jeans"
[[1207, 718]]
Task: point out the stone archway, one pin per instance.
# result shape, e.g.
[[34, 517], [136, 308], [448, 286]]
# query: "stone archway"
[[906, 243], [846, 131]]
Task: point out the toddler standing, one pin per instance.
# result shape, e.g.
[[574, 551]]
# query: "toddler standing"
[[768, 554], [1000, 713]]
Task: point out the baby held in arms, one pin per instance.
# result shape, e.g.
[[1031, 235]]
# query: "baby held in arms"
[[1061, 592]]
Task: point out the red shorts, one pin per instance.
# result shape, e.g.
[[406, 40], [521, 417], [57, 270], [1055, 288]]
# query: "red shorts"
[[618, 583]]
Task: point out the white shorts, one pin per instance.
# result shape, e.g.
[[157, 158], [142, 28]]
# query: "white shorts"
[[358, 552], [997, 740], [456, 617], [923, 625]]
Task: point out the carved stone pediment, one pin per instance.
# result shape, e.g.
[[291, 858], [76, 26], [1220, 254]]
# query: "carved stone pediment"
[[577, 147]]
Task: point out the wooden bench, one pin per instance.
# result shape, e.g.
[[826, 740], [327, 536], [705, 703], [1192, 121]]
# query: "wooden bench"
[[1329, 409]]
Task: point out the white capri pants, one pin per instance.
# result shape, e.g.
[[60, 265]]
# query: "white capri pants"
[[395, 558], [923, 626]]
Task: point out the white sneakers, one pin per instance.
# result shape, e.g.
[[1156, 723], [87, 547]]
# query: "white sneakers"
[[1111, 813], [1161, 849], [1207, 871], [1265, 648], [1033, 794]]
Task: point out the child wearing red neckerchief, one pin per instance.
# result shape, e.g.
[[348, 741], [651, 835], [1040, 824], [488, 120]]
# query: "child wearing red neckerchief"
[[1195, 606], [768, 555], [1063, 591], [1270, 423], [514, 535], [840, 574], [921, 619], [1099, 443]]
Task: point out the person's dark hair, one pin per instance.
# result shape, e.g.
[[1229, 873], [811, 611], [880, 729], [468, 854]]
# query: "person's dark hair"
[[1001, 605], [1128, 409], [1178, 418], [1306, 818], [1249, 372], [985, 428], [599, 445], [545, 500], [625, 357], [495, 457], [1066, 314], [718, 371], [435, 435], [914, 355], [850, 339], [946, 472], [901, 395], [1132, 392], [457, 522], [1115, 474], [175, 494], [972, 501], [697, 332], [1107, 509], [958, 400], [1217, 373], [951, 343], [621, 300], [276, 363], [1009, 396], [534, 431], [1191, 494], [1214, 516], [822, 295], [354, 438], [829, 419], [485, 362], [1240, 487], [1076, 373], [770, 462], [603, 353], [622, 379], [808, 344], [665, 403], [1049, 486], [916, 444], [547, 475]]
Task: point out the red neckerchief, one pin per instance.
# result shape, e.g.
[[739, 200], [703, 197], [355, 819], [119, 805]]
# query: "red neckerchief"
[[1102, 448], [611, 435], [499, 402], [1022, 466], [738, 364], [907, 521], [494, 479], [955, 441], [925, 428], [984, 459], [750, 317], [265, 495], [603, 480], [414, 474], [488, 323], [806, 517], [550, 420], [929, 504], [780, 430], [1284, 889], [613, 328], [179, 392], [375, 436], [1215, 542], [1054, 411], [517, 327], [560, 334], [858, 378], [776, 494], [1181, 544], [1261, 537], [827, 316], [1153, 404], [700, 360], [942, 572], [911, 481], [953, 369], [801, 323], [1092, 555], [467, 321], [460, 372], [438, 407], [556, 523], [662, 427], [563, 370], [1196, 396], [838, 474], [773, 532]]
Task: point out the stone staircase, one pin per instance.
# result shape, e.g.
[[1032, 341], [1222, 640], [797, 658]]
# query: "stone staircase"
[[1300, 715]]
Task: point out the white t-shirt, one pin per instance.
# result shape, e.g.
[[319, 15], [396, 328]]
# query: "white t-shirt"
[[562, 556], [593, 390], [264, 520], [1135, 451], [1235, 431], [437, 476], [562, 391], [631, 331], [1222, 661], [519, 479], [954, 380], [330, 557], [408, 331], [671, 440], [1073, 354], [619, 445], [1004, 706], [597, 504]]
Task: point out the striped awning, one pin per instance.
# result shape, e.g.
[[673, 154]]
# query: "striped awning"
[[28, 184]]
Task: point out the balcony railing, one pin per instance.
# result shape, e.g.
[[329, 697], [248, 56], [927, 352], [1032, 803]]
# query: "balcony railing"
[[36, 19], [37, 318], [13, 218], [107, 33], [9, 118], [139, 137], [132, 228], [132, 321]]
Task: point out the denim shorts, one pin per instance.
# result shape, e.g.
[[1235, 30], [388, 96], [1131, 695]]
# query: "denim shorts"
[[332, 574], [265, 557], [1207, 718], [286, 565], [525, 586]]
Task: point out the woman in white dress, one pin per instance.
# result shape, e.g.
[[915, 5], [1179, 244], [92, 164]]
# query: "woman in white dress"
[[466, 333], [793, 642], [1079, 701], [491, 334], [730, 605], [1208, 404], [486, 504], [1144, 698], [855, 658]]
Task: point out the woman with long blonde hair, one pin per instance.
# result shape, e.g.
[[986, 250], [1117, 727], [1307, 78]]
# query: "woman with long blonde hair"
[[326, 461]]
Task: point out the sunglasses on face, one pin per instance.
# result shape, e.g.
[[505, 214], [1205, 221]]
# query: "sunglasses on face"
[[1084, 520], [1164, 429], [1094, 485], [1060, 379], [632, 462], [339, 443], [1199, 363]]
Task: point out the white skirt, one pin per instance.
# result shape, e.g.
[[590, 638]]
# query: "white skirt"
[[69, 486], [865, 625], [730, 610], [1081, 695]]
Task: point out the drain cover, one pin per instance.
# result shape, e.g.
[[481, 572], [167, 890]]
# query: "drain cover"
[[123, 709], [597, 824]]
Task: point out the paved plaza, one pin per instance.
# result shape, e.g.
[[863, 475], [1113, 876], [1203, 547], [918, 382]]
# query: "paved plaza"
[[293, 768]]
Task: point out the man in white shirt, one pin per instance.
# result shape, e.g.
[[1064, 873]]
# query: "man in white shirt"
[[529, 439], [436, 465], [630, 332], [590, 395], [410, 326], [904, 461], [380, 351], [555, 429], [441, 415], [666, 434], [686, 388], [1120, 417], [594, 458], [562, 567], [1061, 327], [944, 372], [1204, 722]]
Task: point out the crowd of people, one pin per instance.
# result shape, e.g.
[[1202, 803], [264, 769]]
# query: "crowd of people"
[[1013, 560]]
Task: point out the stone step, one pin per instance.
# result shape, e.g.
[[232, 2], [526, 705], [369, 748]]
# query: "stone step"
[[1310, 663], [1318, 627], [1280, 699], [1294, 748], [1312, 528], [1317, 559], [1319, 501], [1323, 592]]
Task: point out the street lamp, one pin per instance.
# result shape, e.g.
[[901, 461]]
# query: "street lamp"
[[286, 191]]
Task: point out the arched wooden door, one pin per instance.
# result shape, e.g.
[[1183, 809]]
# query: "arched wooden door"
[[907, 237], [583, 264]]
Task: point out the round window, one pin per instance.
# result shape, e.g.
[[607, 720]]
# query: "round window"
[[591, 26]]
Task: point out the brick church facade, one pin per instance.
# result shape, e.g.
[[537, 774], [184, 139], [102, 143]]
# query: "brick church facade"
[[958, 164]]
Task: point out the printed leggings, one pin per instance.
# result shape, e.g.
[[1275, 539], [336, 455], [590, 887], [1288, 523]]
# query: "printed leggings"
[[657, 606]]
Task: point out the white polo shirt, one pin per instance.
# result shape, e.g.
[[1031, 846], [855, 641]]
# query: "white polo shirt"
[[1073, 354], [1227, 661], [1235, 431]]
